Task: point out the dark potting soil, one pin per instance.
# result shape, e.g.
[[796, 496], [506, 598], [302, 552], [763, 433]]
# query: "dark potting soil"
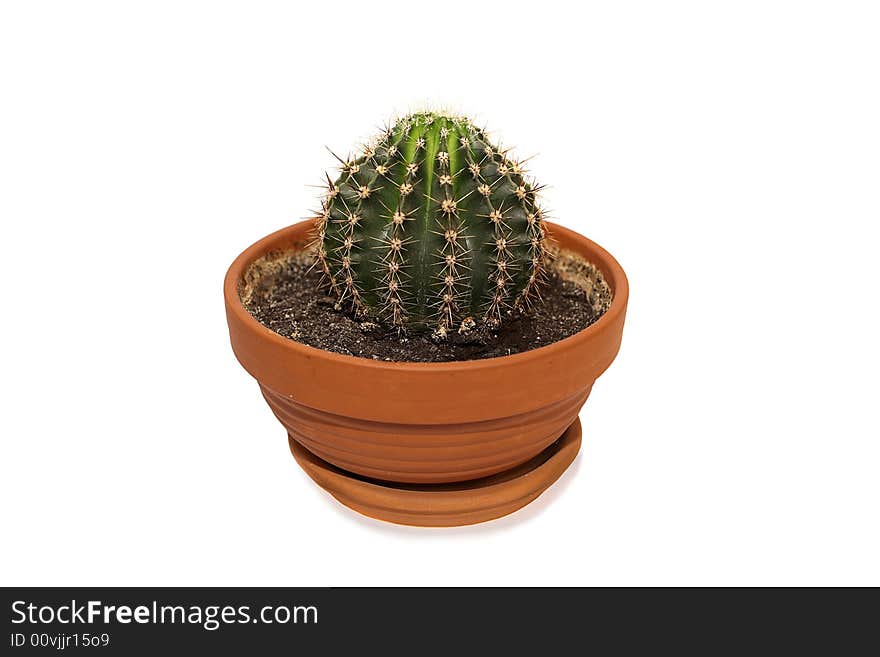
[[285, 294]]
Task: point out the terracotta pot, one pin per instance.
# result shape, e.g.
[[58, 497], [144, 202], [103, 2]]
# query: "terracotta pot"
[[424, 423], [445, 505]]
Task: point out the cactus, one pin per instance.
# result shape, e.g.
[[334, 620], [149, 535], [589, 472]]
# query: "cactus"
[[432, 227]]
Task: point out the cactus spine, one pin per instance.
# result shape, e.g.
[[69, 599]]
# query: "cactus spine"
[[432, 227]]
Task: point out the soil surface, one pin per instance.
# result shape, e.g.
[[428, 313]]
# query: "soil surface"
[[283, 293]]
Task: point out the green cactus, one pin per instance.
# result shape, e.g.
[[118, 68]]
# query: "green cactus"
[[432, 228]]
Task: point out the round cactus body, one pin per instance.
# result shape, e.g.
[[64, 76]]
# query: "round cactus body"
[[432, 227]]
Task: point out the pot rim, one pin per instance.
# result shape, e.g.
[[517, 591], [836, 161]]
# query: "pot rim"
[[607, 264]]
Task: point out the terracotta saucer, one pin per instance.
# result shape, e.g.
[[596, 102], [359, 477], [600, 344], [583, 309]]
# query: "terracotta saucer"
[[445, 505]]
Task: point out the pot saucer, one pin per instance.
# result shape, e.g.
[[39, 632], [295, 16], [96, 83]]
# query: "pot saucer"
[[445, 505]]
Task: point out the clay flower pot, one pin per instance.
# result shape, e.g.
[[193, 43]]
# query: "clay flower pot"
[[408, 429]]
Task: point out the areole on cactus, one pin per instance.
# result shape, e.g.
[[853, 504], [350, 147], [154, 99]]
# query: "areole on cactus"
[[432, 227]]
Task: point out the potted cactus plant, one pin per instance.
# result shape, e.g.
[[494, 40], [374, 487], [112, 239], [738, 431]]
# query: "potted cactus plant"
[[430, 245]]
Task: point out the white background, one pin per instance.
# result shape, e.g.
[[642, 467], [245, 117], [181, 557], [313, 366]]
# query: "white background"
[[728, 154]]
